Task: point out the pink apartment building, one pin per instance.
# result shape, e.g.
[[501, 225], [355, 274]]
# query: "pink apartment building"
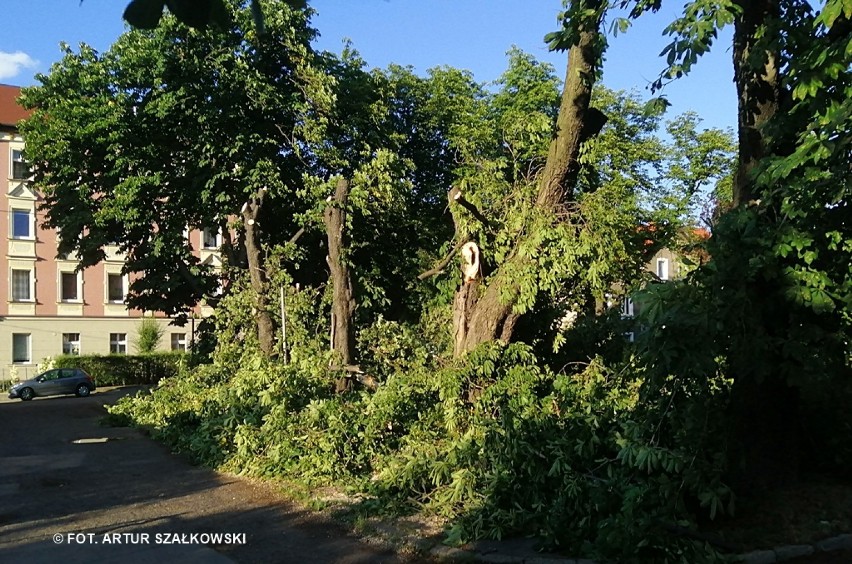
[[46, 308]]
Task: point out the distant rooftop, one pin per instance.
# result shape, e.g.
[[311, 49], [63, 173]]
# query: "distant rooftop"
[[10, 112]]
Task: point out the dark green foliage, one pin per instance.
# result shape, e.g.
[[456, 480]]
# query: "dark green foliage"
[[146, 14], [828, 428], [123, 370], [505, 441], [141, 125]]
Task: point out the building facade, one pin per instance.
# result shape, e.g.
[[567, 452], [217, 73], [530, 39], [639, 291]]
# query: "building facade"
[[47, 308], [664, 265]]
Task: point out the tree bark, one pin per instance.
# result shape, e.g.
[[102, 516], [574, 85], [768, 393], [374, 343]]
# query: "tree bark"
[[479, 318], [559, 176], [257, 273], [758, 89], [343, 296], [481, 315]]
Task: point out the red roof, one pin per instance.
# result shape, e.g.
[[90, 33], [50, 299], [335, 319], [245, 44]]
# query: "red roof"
[[10, 112]]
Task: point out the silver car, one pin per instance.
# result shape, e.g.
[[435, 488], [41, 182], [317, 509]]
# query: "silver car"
[[55, 382]]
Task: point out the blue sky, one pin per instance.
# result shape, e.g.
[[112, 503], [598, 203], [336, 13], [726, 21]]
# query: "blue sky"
[[470, 34]]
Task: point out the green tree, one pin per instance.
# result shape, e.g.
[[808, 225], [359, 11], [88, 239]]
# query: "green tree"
[[553, 204], [148, 335], [376, 176], [174, 128], [779, 279]]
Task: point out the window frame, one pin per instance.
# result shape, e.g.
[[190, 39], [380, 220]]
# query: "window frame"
[[75, 344], [78, 286], [118, 341], [217, 237], [29, 348], [13, 224], [17, 163], [30, 285], [108, 289], [663, 274], [627, 307], [181, 342]]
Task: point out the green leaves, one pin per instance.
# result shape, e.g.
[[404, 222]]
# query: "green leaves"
[[580, 16], [657, 105], [144, 123], [620, 25], [200, 13], [694, 35], [832, 10], [146, 14]]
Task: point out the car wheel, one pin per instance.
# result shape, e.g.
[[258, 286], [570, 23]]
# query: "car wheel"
[[82, 391], [26, 394]]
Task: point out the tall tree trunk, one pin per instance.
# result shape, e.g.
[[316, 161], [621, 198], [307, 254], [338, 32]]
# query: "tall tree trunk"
[[758, 89], [481, 315], [257, 273], [559, 176], [763, 413], [343, 297]]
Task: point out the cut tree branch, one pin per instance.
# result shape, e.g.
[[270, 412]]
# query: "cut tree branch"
[[442, 264], [297, 235], [457, 197]]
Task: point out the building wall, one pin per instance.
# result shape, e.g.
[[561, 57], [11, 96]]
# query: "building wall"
[[46, 317], [674, 266], [674, 269], [46, 337]]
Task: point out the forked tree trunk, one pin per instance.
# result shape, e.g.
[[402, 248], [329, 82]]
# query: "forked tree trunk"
[[480, 314], [257, 273], [343, 297]]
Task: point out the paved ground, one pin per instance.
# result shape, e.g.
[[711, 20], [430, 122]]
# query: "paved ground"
[[61, 500]]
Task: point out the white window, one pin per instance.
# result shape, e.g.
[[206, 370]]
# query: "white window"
[[179, 342], [116, 288], [22, 285], [71, 343], [21, 224], [211, 239], [663, 269], [69, 287], [118, 343], [21, 348], [20, 170], [627, 308]]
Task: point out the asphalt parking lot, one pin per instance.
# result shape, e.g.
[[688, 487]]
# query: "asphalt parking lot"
[[72, 490]]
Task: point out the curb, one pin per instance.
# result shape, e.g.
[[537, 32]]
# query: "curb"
[[788, 552], [523, 552]]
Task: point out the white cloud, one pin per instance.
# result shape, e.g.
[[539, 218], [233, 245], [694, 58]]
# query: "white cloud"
[[11, 64]]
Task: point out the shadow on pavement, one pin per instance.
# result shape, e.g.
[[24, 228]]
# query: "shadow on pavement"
[[120, 481]]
